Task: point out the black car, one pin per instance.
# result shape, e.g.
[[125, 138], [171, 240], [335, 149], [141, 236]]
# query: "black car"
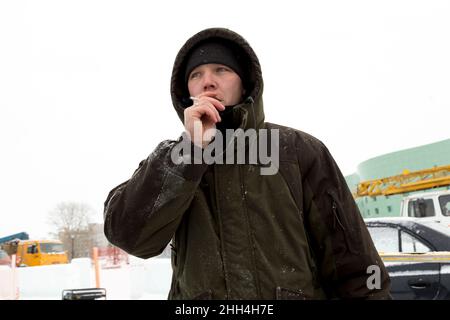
[[413, 279]]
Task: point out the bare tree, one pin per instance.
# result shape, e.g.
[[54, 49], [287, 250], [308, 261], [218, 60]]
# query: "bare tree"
[[71, 223], [71, 217]]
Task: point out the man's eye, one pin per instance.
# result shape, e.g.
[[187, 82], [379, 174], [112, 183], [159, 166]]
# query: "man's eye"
[[194, 75], [221, 69]]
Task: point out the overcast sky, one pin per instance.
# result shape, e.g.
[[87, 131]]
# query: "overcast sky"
[[84, 85]]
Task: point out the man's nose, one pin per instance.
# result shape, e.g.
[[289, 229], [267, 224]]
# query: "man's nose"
[[209, 82]]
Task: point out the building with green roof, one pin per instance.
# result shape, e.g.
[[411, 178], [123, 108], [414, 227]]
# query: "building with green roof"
[[391, 164]]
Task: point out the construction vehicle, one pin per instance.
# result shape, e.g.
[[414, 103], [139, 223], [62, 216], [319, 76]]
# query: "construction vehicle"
[[15, 236], [430, 205], [33, 252], [433, 206], [406, 182]]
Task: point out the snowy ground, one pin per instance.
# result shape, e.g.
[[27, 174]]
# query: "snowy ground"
[[140, 279], [150, 281]]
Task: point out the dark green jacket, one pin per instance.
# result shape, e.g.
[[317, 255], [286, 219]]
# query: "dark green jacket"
[[237, 234]]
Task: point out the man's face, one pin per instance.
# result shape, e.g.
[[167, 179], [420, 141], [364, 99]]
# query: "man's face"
[[217, 81]]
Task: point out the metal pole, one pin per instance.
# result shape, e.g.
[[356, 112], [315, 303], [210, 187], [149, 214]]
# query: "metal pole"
[[73, 246], [97, 267]]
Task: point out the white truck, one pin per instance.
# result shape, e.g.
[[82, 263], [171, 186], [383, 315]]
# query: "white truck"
[[429, 206]]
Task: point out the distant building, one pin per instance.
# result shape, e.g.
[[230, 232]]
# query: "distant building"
[[98, 238], [80, 243], [391, 164]]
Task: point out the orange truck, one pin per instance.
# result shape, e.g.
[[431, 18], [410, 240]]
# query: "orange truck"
[[35, 252]]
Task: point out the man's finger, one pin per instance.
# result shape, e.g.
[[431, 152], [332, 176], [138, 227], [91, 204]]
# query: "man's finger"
[[205, 107], [210, 97]]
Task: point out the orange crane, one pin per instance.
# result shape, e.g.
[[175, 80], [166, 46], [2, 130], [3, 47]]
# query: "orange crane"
[[405, 182]]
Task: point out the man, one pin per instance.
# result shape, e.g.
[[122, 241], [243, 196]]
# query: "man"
[[236, 233]]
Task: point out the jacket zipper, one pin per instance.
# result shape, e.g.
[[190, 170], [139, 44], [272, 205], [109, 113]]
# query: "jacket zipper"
[[337, 220], [336, 217], [219, 221], [249, 233]]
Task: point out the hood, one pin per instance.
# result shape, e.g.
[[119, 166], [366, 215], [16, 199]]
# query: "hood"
[[249, 113]]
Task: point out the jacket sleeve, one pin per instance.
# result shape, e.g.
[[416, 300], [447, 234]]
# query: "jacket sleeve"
[[142, 214], [341, 243]]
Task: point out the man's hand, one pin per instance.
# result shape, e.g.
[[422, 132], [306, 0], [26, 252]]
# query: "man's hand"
[[201, 118]]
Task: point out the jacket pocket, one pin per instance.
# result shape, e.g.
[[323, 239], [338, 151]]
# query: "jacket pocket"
[[340, 221], [290, 294], [207, 295]]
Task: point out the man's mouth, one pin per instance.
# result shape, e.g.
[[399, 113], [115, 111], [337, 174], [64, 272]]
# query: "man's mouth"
[[218, 98]]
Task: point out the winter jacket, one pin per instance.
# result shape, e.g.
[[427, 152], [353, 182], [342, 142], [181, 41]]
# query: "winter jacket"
[[237, 234]]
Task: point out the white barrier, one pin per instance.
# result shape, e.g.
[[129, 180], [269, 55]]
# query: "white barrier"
[[7, 283], [48, 282], [141, 279], [155, 279]]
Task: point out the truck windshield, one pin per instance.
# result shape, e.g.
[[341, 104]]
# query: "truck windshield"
[[52, 247], [444, 201]]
